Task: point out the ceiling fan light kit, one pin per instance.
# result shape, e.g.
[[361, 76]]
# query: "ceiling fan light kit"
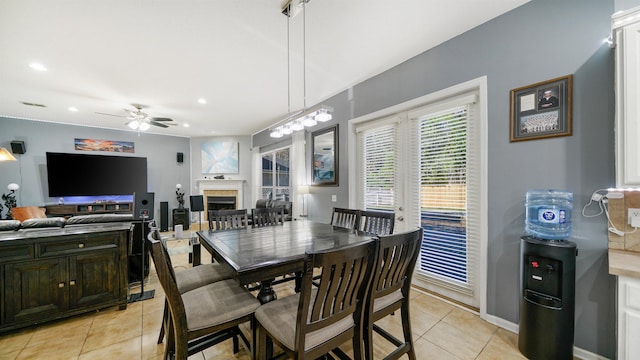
[[305, 117]]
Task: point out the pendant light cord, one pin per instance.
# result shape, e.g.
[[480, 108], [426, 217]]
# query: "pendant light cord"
[[288, 68], [304, 54]]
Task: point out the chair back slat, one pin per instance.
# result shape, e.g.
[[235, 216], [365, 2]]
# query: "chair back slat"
[[167, 277], [227, 219], [345, 218], [376, 222], [345, 275], [397, 258], [267, 216]]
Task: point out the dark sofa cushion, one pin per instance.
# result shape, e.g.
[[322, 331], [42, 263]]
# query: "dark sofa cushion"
[[98, 218], [8, 225], [43, 223]]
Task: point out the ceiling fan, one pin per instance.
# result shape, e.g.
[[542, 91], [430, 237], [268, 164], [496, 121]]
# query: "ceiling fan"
[[139, 120]]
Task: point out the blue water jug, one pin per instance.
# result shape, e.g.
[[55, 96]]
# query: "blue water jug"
[[548, 214]]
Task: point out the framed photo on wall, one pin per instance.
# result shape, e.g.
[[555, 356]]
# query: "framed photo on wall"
[[324, 165], [541, 110]]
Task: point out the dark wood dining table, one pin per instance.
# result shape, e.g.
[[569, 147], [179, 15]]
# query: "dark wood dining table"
[[258, 255]]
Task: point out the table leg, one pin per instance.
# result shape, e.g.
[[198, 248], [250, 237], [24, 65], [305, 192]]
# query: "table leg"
[[266, 292], [195, 252], [298, 281]]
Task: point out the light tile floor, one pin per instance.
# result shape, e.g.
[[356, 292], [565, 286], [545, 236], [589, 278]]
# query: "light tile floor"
[[440, 330]]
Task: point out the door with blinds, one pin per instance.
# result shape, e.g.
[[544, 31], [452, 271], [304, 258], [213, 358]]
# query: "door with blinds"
[[424, 164]]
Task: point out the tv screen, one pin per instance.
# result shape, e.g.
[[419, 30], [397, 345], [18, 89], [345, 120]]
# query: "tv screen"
[[95, 175]]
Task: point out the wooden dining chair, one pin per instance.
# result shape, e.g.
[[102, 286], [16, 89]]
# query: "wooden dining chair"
[[188, 279], [376, 222], [317, 320], [204, 316], [389, 290], [267, 216], [228, 219], [345, 218]]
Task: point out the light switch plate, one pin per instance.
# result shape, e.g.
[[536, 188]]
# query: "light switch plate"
[[334, 198]]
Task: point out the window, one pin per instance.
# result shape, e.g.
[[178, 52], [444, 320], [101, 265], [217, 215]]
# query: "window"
[[276, 175]]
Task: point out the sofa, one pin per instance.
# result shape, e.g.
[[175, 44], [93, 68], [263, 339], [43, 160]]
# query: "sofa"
[[58, 222], [266, 203]]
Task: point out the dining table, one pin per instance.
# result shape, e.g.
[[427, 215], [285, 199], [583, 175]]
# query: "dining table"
[[260, 254]]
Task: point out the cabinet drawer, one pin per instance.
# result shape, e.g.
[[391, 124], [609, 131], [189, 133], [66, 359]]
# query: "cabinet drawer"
[[16, 252], [80, 244]]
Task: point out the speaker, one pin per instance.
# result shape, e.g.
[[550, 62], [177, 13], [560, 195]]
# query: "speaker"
[[181, 217], [164, 216], [142, 206], [180, 157], [18, 147], [197, 202]]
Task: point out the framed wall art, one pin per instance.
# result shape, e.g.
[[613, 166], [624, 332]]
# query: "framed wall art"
[[541, 110], [219, 157], [324, 165]]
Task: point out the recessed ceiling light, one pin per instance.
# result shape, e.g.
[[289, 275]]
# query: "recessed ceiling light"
[[73, 109], [38, 67], [185, 125], [202, 101]]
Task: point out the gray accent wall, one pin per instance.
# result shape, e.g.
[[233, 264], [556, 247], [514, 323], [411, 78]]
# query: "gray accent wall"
[[538, 41], [30, 171]]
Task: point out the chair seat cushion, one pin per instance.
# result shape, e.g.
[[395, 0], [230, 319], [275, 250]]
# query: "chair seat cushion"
[[383, 302], [201, 275], [279, 319], [217, 303]]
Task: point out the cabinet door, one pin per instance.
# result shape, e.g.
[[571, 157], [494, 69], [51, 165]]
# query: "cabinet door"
[[35, 290], [93, 278], [628, 105]]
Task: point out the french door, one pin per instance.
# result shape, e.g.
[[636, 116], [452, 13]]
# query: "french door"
[[425, 163]]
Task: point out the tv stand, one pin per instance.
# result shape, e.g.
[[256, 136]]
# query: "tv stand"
[[89, 208]]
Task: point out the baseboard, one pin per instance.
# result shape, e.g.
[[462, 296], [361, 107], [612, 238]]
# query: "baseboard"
[[513, 327]]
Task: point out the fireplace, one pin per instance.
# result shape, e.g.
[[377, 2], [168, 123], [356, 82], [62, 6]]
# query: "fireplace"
[[221, 202], [223, 192]]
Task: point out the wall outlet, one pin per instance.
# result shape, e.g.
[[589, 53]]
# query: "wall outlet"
[[334, 198], [633, 213]]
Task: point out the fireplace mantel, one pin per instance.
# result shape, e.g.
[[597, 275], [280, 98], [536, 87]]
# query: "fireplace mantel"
[[222, 184]]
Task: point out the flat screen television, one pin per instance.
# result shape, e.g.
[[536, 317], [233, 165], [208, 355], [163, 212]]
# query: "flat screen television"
[[95, 175]]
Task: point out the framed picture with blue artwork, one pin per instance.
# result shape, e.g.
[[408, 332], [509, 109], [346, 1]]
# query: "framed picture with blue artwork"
[[219, 157], [324, 166]]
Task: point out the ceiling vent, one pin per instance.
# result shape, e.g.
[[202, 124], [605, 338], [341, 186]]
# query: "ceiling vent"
[[32, 104]]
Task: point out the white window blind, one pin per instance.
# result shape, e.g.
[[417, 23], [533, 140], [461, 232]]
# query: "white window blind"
[[377, 167]]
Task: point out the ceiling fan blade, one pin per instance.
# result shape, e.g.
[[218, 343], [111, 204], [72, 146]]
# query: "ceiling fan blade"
[[100, 113], [158, 124], [160, 119]]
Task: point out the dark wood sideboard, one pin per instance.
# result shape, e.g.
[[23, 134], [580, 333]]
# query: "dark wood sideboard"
[[48, 274], [89, 208]]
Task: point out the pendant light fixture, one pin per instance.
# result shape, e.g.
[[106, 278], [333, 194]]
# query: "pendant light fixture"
[[305, 117]]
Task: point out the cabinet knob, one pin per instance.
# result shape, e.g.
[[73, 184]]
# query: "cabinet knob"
[[72, 282], [61, 285], [81, 246]]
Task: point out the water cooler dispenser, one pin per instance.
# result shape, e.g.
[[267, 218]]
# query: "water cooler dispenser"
[[547, 303], [547, 278]]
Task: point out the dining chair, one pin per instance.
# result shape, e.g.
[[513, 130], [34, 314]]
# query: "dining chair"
[[345, 218], [389, 290], [376, 222], [317, 320], [267, 216], [228, 219], [204, 316], [188, 279]]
